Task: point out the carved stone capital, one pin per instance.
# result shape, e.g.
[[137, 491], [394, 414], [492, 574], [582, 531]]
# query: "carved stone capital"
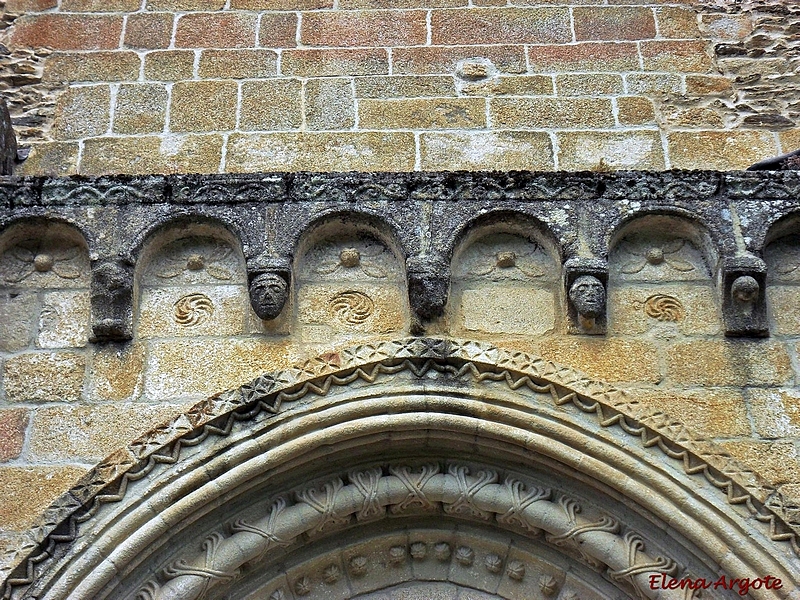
[[585, 284], [744, 306], [428, 286], [269, 287], [112, 300]]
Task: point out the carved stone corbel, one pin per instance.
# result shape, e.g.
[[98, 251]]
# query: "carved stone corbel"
[[269, 281], [112, 300], [428, 286], [585, 284], [744, 306]]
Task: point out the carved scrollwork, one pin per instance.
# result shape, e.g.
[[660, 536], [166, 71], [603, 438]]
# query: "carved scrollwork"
[[368, 483], [479, 495], [193, 309], [352, 307], [662, 307], [468, 487], [415, 484], [326, 506], [521, 499]]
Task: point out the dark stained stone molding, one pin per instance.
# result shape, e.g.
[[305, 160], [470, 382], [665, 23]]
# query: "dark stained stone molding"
[[423, 216], [8, 141]]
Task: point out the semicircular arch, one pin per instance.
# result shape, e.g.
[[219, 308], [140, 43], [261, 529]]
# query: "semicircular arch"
[[422, 439]]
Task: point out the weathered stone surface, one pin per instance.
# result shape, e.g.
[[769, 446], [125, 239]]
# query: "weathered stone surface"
[[140, 109], [44, 377], [218, 99], [585, 150], [329, 104], [51, 159], [87, 433], [64, 320], [372, 151], [144, 155], [351, 308], [271, 105], [82, 112], [13, 424], [8, 141], [17, 320], [498, 309], [611, 359], [784, 307], [775, 412], [237, 64], [502, 150], [557, 113], [27, 491], [117, 372], [729, 363], [422, 113], [719, 150], [777, 462], [195, 369], [709, 412], [671, 310], [169, 65], [148, 30], [192, 311]]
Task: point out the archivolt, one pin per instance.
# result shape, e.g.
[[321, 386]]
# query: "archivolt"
[[374, 410]]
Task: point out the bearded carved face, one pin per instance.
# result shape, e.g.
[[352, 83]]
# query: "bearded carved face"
[[588, 296], [268, 295]]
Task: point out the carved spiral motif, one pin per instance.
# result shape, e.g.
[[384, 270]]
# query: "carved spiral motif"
[[193, 309], [352, 307], [664, 308]]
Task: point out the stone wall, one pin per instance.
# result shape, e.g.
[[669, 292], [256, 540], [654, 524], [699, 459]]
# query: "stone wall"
[[134, 86], [108, 330]]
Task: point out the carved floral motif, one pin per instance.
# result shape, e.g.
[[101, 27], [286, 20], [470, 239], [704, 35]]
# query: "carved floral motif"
[[194, 259], [36, 256]]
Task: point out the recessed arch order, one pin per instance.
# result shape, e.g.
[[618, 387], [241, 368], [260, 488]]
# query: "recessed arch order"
[[408, 464]]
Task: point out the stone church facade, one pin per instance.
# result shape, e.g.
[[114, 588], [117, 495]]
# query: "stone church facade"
[[356, 299]]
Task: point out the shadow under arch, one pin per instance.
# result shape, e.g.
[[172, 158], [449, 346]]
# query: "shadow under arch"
[[514, 222], [414, 435], [673, 222], [350, 222]]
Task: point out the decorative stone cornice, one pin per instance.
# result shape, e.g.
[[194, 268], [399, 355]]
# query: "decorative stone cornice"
[[423, 216]]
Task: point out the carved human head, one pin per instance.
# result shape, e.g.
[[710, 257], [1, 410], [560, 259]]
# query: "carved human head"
[[268, 295], [588, 295], [745, 289]]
